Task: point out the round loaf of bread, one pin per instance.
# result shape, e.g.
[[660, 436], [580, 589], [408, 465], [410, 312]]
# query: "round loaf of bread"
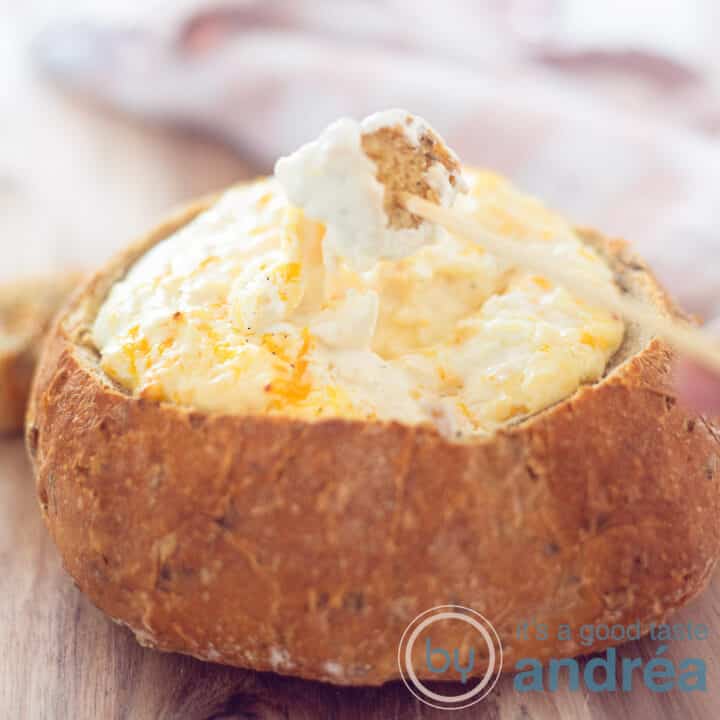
[[306, 547]]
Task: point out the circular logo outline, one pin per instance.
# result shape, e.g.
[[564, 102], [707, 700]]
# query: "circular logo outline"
[[489, 679]]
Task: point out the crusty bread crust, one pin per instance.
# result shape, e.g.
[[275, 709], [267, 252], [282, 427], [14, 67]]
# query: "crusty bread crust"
[[26, 312], [307, 547]]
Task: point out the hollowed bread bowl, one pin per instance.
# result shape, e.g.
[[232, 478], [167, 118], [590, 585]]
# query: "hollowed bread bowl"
[[306, 548]]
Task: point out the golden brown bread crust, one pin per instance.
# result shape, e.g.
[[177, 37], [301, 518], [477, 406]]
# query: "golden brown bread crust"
[[307, 548], [26, 312]]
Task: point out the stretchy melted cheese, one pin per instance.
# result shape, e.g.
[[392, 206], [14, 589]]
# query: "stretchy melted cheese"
[[238, 312]]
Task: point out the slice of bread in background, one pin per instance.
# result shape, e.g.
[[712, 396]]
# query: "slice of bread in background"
[[27, 308]]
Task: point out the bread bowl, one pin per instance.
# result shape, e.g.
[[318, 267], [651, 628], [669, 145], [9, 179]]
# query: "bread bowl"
[[27, 308], [305, 543]]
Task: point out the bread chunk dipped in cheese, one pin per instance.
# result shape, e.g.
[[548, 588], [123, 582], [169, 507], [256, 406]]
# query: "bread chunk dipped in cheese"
[[350, 179]]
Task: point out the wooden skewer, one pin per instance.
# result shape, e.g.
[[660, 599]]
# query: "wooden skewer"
[[689, 340]]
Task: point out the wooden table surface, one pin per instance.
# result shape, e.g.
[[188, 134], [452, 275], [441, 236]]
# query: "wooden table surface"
[[76, 183]]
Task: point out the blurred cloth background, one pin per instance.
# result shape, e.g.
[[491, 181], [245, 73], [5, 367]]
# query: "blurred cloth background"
[[609, 111]]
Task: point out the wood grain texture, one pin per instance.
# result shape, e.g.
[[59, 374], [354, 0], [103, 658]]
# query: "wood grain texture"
[[75, 185]]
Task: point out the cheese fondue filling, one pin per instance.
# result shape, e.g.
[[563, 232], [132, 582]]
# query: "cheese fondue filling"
[[250, 309]]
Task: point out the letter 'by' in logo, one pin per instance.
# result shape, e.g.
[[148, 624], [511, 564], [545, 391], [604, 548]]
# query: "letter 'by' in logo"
[[450, 643]]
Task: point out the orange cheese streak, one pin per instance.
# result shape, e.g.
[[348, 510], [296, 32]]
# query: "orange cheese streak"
[[296, 388]]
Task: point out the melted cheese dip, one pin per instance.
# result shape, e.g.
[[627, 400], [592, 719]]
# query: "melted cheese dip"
[[237, 312]]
